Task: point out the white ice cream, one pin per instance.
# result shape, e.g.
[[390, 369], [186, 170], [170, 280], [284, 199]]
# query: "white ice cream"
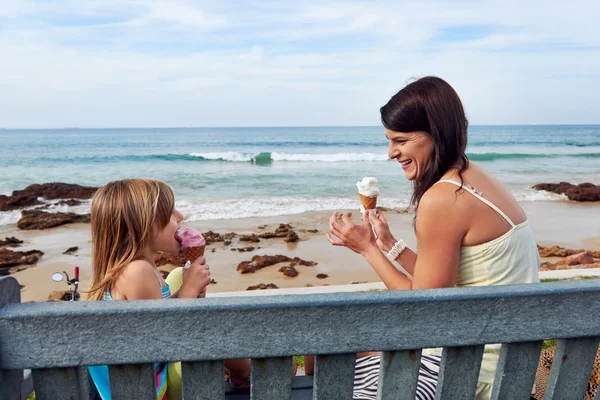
[[368, 187]]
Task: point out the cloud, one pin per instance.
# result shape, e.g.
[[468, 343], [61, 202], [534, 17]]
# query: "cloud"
[[236, 63]]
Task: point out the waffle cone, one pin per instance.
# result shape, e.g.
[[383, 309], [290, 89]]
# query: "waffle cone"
[[192, 253], [369, 203]]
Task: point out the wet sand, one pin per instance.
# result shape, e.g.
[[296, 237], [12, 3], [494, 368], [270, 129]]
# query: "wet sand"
[[565, 224]]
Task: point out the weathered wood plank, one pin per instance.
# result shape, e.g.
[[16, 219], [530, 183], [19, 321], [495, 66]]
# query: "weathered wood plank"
[[365, 319], [571, 368], [459, 371], [10, 381], [132, 382], [203, 380], [334, 376], [398, 374], [56, 383], [271, 378], [516, 369]]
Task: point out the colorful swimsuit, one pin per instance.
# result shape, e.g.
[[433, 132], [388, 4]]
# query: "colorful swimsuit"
[[99, 373]]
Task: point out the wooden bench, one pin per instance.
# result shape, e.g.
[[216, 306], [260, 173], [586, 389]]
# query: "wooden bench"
[[55, 339]]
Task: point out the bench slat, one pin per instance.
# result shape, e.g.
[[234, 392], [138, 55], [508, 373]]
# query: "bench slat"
[[271, 378], [10, 381], [203, 380], [56, 383], [516, 370], [571, 368], [459, 372], [132, 382], [334, 376], [398, 374]]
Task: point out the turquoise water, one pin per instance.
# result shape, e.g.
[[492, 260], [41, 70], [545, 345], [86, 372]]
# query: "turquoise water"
[[244, 172]]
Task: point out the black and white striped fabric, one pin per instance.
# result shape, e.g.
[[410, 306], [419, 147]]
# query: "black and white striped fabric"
[[366, 377]]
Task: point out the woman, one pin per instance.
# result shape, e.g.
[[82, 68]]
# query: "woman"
[[470, 230]]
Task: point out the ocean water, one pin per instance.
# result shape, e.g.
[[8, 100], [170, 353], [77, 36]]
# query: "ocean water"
[[219, 173]]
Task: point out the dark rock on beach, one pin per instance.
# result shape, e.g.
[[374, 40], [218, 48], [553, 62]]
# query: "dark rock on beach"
[[71, 250], [50, 191], [249, 238], [259, 262], [581, 192], [243, 249], [212, 237], [304, 263], [322, 276], [289, 271], [263, 286], [35, 219], [557, 251], [10, 242], [291, 237], [13, 261]]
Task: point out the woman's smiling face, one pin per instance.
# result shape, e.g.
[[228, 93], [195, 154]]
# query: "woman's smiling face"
[[412, 150]]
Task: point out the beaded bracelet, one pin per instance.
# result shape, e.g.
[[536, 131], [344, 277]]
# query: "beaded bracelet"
[[396, 250]]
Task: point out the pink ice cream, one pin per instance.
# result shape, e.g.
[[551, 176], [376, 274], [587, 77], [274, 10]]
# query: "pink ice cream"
[[190, 237], [192, 244]]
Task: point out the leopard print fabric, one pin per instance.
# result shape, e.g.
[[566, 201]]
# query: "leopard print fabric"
[[543, 372]]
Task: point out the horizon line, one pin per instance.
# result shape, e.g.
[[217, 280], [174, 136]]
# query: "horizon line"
[[261, 127]]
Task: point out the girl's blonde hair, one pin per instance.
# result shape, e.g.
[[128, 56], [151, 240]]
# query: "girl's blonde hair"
[[123, 214]]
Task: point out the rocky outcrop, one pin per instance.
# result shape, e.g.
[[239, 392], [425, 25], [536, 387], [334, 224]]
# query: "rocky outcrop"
[[291, 237], [213, 237], [570, 258], [557, 251], [581, 192], [13, 261], [35, 219], [263, 286], [10, 242], [282, 231], [71, 250], [259, 262], [50, 191], [243, 249], [304, 263], [577, 259], [289, 271], [249, 238]]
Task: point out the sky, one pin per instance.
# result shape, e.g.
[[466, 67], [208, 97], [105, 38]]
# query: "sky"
[[177, 63]]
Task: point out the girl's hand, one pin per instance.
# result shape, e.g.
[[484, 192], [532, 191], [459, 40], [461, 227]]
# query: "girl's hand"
[[197, 276], [385, 239], [358, 238]]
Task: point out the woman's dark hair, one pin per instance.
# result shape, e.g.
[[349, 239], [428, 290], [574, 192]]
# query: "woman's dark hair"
[[431, 105]]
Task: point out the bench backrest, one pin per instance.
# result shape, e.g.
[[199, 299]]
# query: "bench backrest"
[[53, 339]]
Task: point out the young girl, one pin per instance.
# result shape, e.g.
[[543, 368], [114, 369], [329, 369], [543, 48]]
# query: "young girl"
[[131, 221]]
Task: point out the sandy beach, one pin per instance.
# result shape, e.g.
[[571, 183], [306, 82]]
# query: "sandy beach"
[[566, 224]]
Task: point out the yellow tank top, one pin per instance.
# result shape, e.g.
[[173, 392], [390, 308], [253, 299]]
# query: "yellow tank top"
[[509, 259]]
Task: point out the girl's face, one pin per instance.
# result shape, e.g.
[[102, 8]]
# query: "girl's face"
[[164, 240], [412, 150]]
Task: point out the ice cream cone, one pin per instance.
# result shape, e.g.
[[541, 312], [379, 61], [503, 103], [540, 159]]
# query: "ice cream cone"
[[192, 253], [369, 203]]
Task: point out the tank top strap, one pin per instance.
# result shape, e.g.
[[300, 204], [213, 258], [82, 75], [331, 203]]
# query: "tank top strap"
[[158, 277], [475, 193]]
